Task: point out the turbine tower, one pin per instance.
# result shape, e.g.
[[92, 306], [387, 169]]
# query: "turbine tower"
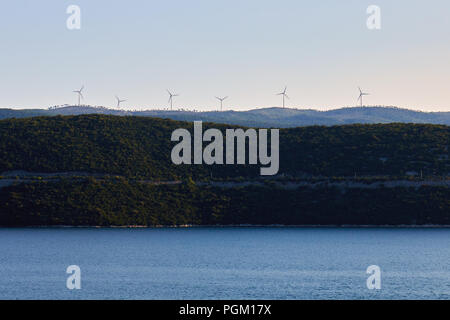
[[119, 102], [361, 95], [221, 101], [80, 95], [284, 95], [171, 95]]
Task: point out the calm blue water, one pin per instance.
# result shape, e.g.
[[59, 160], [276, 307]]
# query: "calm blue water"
[[229, 263]]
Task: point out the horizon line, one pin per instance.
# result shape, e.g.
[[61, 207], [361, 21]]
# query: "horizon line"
[[193, 109]]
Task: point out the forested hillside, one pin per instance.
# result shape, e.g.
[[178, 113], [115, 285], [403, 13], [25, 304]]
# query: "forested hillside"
[[110, 170], [123, 203], [139, 147]]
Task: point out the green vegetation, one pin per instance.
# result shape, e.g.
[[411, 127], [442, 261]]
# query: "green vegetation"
[[116, 161], [119, 203], [137, 147]]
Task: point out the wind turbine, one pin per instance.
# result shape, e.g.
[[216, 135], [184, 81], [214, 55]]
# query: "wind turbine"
[[283, 94], [221, 101], [361, 95], [171, 95], [119, 102], [80, 95]]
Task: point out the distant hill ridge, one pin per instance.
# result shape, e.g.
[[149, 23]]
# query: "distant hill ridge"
[[266, 117]]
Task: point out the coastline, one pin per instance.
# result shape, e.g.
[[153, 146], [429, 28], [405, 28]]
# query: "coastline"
[[238, 226]]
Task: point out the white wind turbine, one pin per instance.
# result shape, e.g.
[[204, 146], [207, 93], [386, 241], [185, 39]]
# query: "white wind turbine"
[[119, 102], [284, 95], [221, 101], [171, 95], [361, 95], [80, 95]]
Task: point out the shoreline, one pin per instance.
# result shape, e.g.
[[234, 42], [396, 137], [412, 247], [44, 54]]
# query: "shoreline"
[[238, 226]]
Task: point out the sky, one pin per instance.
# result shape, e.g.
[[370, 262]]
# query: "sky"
[[248, 50]]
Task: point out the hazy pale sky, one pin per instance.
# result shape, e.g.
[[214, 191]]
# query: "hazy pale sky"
[[246, 49]]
